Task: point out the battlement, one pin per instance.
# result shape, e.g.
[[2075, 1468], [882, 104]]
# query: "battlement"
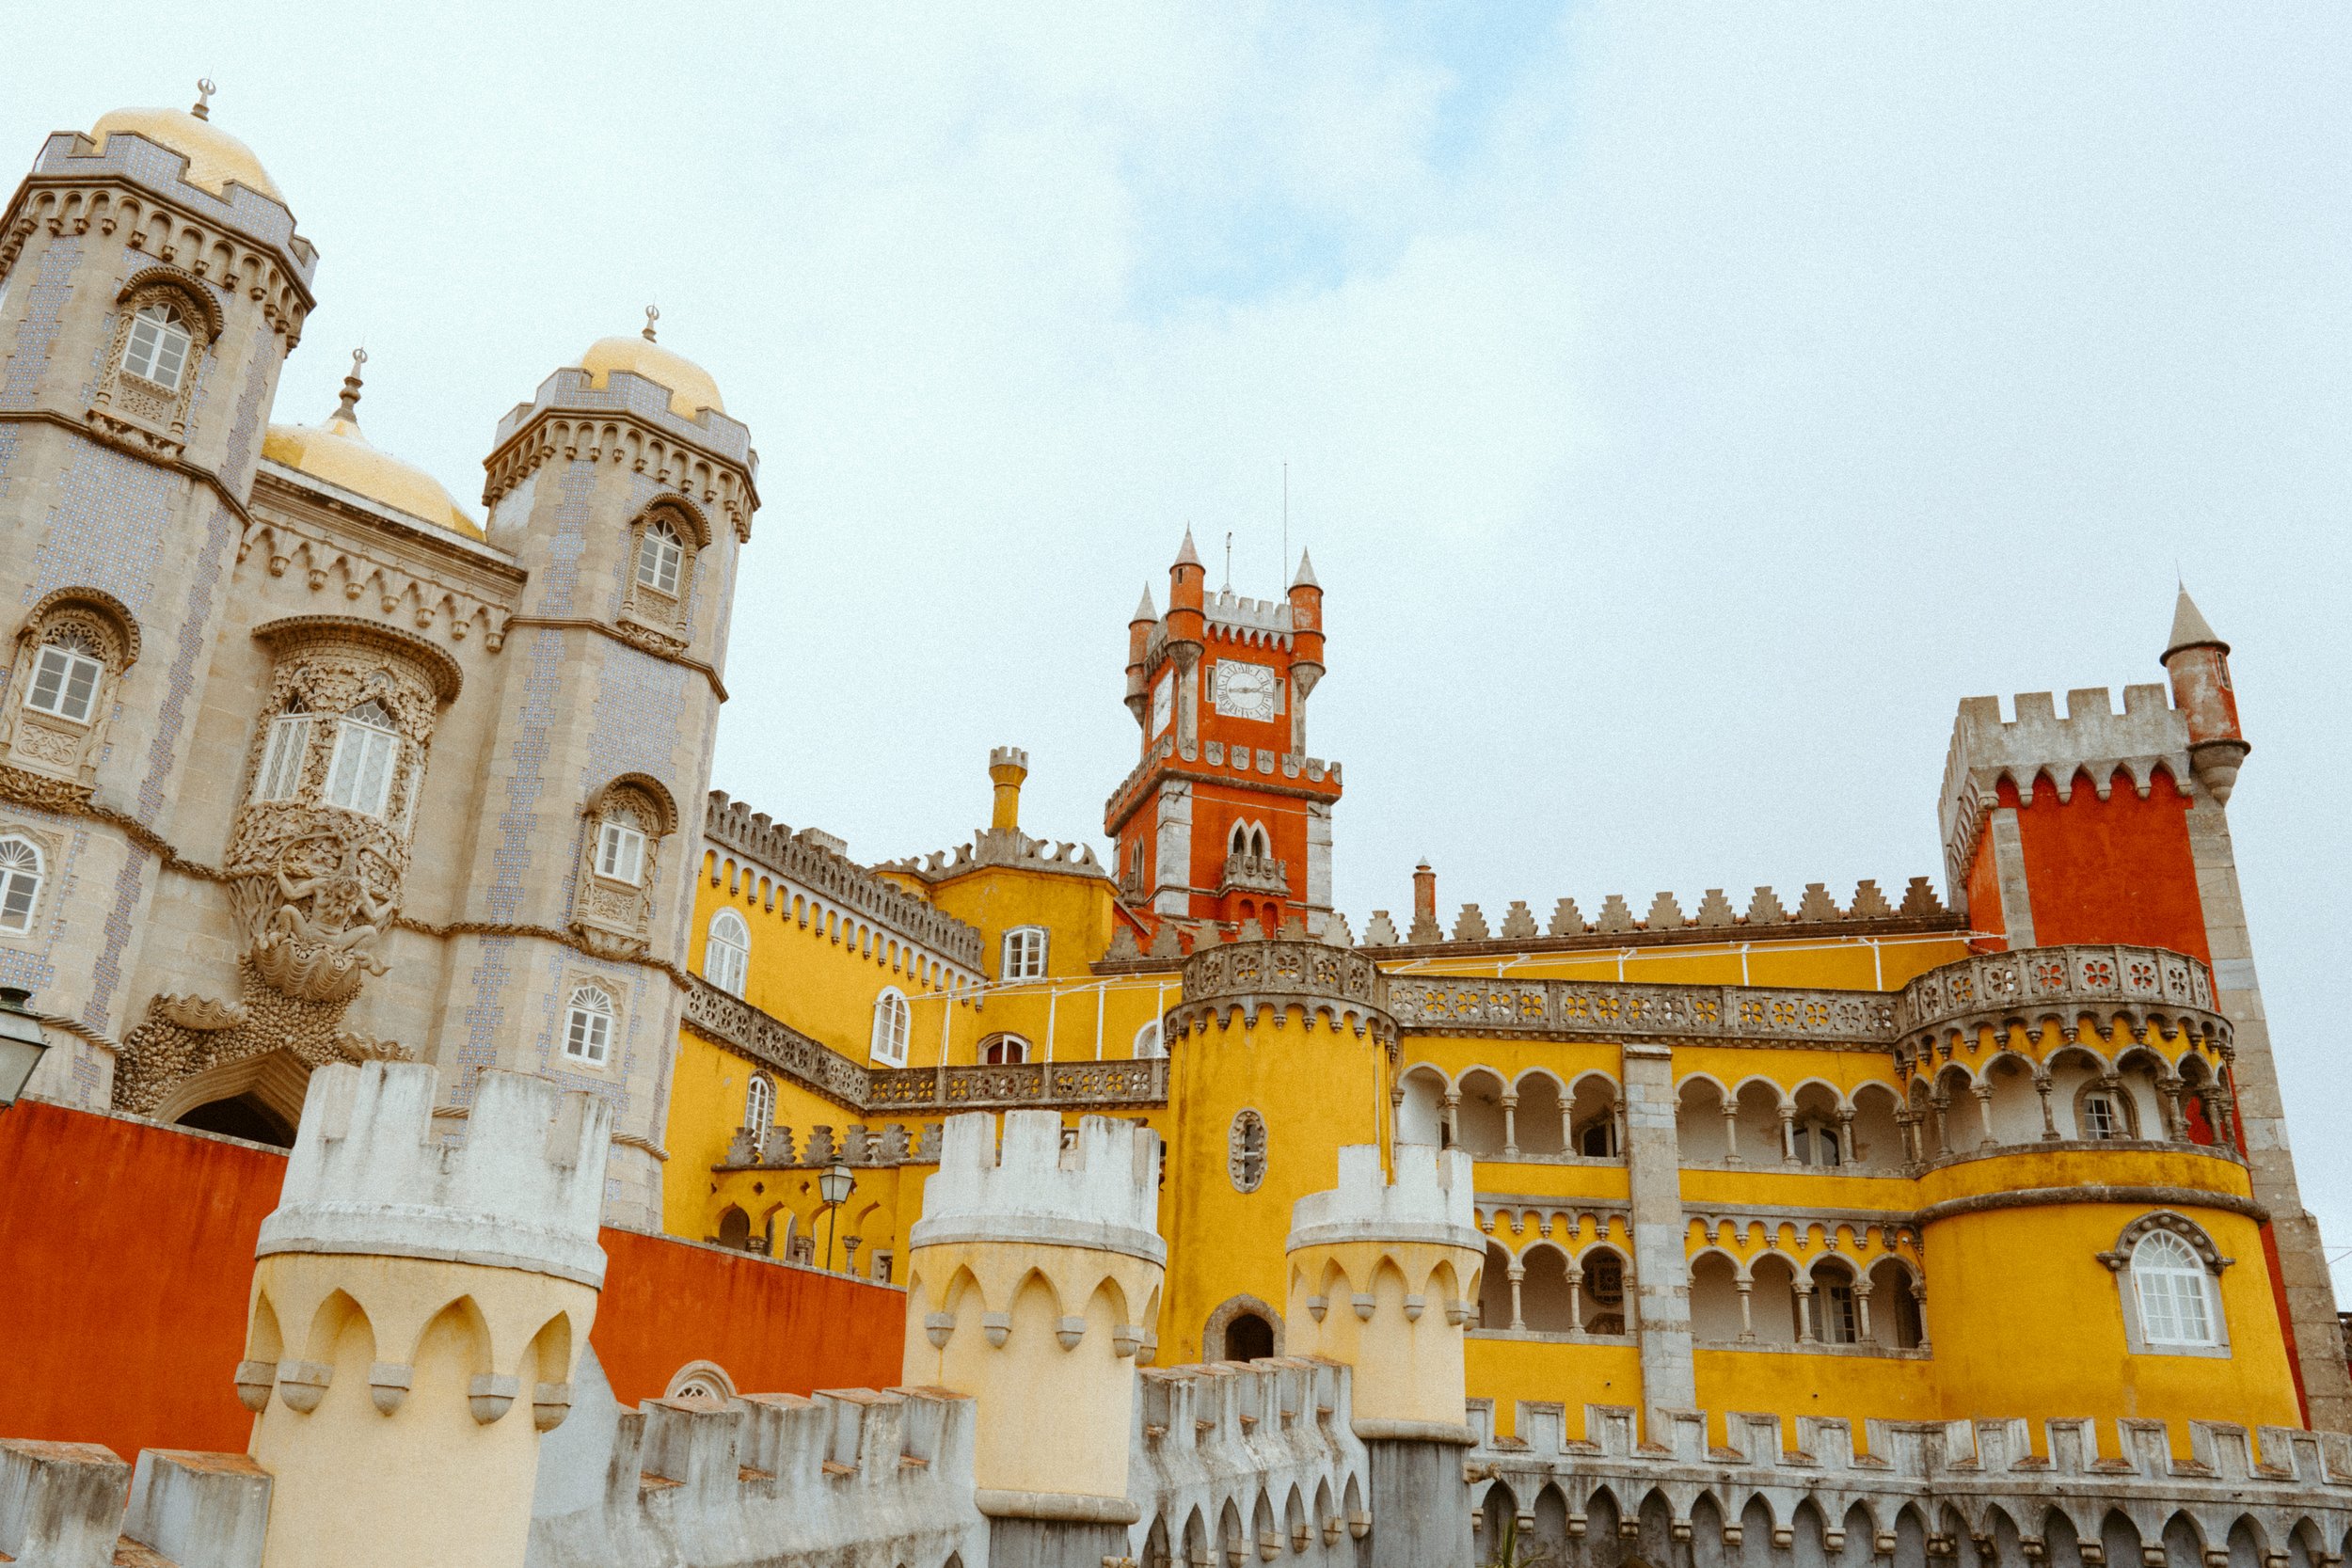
[[1282, 1430], [816, 863], [371, 1174], [1268, 618], [1007, 756], [1008, 847], [638, 397], [1430, 1199], [138, 159], [1102, 1191], [2092, 738], [1616, 924]]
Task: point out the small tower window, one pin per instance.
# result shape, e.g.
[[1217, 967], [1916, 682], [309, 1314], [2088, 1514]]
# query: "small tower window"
[[360, 776], [2169, 1282], [727, 953], [1024, 953], [659, 557], [588, 1027], [158, 348], [759, 1104], [66, 676], [1244, 1150], [21, 871], [621, 847], [892, 1016], [281, 773]]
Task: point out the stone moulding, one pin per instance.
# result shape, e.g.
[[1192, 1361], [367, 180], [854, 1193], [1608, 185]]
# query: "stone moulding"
[[1229, 980], [1608, 1009]]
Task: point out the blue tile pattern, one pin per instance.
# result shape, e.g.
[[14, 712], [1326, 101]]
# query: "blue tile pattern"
[[106, 972], [195, 640], [44, 311], [510, 853], [637, 725], [108, 527], [36, 968]]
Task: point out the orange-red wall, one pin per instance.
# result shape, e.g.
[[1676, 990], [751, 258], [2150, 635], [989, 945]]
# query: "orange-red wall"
[[2111, 870], [126, 1250], [126, 1254]]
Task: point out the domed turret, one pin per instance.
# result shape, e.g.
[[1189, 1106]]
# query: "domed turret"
[[337, 452], [691, 389], [215, 157]]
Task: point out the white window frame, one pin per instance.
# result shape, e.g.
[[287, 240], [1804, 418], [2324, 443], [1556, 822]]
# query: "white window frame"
[[893, 1020], [1024, 952], [589, 1026], [58, 670], [367, 759], [759, 1104], [160, 346], [20, 886], [1012, 1050], [727, 952], [620, 851], [660, 559], [2182, 1286], [283, 753]]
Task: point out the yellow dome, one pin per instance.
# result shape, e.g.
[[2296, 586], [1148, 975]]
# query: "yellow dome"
[[215, 157], [337, 452], [690, 387]]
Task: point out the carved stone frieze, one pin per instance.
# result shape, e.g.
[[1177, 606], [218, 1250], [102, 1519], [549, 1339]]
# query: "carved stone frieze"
[[184, 1035], [1462, 1004], [1342, 986], [200, 1014], [2136, 988]]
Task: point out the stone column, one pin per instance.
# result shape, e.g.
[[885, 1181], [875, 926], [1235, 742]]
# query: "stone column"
[[1416, 1248], [416, 1311], [1052, 1370], [2311, 1297], [1731, 1130], [1662, 1276], [1511, 1124], [1984, 1113], [2049, 1118]]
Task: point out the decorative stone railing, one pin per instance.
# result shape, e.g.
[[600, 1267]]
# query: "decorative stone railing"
[[736, 1024], [2137, 987], [1606, 1009], [1256, 874], [1338, 983]]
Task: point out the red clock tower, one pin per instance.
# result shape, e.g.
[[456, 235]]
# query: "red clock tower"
[[1226, 818]]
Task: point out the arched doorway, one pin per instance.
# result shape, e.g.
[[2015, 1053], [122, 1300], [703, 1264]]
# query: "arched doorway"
[[243, 1115], [1249, 1337], [255, 1098]]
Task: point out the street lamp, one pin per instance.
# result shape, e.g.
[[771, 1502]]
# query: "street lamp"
[[834, 1187], [22, 1042]]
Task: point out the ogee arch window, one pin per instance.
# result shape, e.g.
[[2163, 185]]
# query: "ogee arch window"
[[21, 873], [1244, 1150]]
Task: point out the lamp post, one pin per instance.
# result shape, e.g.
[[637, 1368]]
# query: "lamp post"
[[834, 1186], [22, 1042]]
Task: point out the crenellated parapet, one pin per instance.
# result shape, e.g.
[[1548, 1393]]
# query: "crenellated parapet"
[[630, 421], [1918, 1493], [1033, 1284], [805, 863], [1383, 1277], [1258, 1458]]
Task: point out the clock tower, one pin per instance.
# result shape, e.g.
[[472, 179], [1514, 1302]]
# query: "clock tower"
[[1227, 818]]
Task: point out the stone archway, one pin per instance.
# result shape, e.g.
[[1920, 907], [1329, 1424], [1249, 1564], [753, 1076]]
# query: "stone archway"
[[255, 1098], [1224, 1325]]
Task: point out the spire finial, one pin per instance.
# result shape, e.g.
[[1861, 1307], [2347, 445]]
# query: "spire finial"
[[1229, 561], [204, 90], [653, 314], [349, 407]]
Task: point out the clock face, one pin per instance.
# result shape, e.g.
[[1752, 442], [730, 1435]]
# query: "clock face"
[[1162, 704], [1244, 690]]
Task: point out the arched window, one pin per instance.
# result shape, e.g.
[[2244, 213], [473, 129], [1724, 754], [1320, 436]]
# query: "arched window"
[[588, 1027], [1817, 1144], [2103, 1112], [727, 952], [892, 1017], [2168, 1281], [158, 346], [359, 777], [621, 847], [21, 872], [1257, 842], [658, 556], [1245, 1151], [65, 675], [1148, 1041], [1003, 1051], [1024, 953], [1240, 838], [759, 1104]]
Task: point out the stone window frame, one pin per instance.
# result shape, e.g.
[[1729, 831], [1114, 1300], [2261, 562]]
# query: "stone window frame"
[[49, 847], [1221, 1317], [1241, 1147], [2200, 1244], [664, 617], [1006, 1043], [54, 744], [128, 403], [615, 917]]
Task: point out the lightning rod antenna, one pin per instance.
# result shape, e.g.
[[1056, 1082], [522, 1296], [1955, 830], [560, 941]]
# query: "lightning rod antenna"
[[1286, 522]]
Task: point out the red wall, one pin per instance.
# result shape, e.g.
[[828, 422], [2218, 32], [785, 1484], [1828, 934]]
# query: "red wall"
[[2111, 870], [126, 1258], [126, 1253]]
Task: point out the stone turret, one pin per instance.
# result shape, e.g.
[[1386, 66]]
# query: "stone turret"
[[1007, 767], [416, 1308], [2199, 663], [1384, 1276], [1033, 1285]]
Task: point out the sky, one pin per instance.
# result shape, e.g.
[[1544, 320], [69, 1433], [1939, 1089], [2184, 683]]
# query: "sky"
[[1686, 406]]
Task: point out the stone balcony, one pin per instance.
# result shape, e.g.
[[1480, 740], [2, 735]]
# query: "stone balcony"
[[1255, 874]]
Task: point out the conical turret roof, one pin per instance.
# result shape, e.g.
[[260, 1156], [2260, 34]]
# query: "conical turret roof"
[[1306, 578], [2190, 630], [1187, 556], [1144, 612]]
